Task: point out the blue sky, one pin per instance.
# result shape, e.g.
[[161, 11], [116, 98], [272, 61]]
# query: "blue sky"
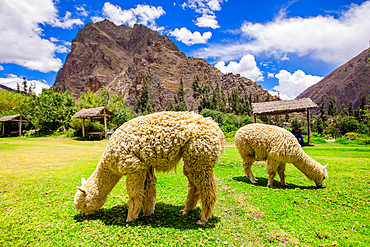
[[285, 46]]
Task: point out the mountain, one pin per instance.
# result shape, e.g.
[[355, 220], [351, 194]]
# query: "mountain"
[[5, 88], [119, 58], [347, 83]]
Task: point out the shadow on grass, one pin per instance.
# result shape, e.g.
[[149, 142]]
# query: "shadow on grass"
[[80, 138], [263, 182], [165, 215]]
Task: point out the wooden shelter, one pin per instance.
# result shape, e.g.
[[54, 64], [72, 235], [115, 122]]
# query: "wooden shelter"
[[285, 107], [14, 118], [94, 113]]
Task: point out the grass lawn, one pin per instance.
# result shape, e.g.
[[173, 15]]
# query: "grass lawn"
[[38, 179]]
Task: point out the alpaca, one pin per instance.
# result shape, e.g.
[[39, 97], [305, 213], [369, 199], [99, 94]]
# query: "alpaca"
[[279, 147], [152, 143]]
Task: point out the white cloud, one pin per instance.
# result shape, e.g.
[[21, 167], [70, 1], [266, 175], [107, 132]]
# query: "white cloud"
[[12, 81], [142, 14], [187, 37], [1, 67], [270, 75], [21, 40], [324, 38], [291, 85], [65, 22], [247, 67], [206, 8], [207, 21], [82, 11]]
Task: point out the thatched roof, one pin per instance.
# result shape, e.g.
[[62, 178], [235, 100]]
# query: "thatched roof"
[[14, 118], [283, 106], [98, 112]]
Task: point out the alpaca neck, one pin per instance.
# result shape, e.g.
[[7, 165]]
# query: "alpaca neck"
[[307, 166], [101, 182]]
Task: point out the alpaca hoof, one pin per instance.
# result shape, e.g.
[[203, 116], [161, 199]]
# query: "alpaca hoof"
[[131, 220], [184, 212], [201, 222], [253, 181], [148, 214], [270, 186]]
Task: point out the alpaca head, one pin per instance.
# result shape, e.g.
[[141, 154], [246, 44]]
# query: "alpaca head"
[[322, 176], [84, 200]]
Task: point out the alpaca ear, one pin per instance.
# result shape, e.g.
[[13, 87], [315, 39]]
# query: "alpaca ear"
[[83, 181], [326, 176], [82, 189]]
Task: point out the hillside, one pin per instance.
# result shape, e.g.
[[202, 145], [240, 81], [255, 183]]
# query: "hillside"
[[347, 83], [120, 58]]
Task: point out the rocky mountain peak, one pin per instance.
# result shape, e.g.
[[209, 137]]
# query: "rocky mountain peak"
[[119, 58]]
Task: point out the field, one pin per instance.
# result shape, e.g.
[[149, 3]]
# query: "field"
[[39, 176]]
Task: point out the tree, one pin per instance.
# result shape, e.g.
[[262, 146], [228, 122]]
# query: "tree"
[[248, 104], [50, 110], [24, 83], [350, 109], [180, 104], [205, 102], [332, 110], [196, 87], [319, 125], [216, 98], [143, 105], [344, 111], [363, 102], [236, 102]]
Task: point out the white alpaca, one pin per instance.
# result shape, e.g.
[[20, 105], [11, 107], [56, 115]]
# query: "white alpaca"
[[156, 142], [279, 147]]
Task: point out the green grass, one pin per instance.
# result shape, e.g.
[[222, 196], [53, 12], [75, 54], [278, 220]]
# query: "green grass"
[[39, 175]]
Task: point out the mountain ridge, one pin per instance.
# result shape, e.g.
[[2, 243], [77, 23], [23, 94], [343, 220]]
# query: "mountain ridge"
[[120, 58], [346, 83]]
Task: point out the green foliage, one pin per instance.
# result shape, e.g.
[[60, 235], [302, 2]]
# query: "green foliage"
[[179, 100], [344, 111], [50, 110], [143, 105], [319, 125], [348, 124], [11, 103], [332, 110], [228, 122], [90, 126]]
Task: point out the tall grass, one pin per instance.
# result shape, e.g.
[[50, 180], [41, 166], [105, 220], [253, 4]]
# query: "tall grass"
[[39, 175]]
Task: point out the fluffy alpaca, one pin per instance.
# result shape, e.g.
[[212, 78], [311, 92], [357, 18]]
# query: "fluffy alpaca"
[[279, 147], [156, 142]]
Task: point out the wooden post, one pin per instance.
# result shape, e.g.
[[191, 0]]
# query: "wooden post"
[[83, 127], [254, 118], [309, 127], [105, 126], [20, 125]]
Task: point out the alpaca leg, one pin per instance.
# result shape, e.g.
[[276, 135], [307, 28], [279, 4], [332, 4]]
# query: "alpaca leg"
[[150, 193], [272, 167], [136, 193], [247, 166], [208, 195], [193, 194], [281, 172]]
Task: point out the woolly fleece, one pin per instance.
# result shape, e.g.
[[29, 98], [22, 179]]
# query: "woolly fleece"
[[279, 147], [156, 142]]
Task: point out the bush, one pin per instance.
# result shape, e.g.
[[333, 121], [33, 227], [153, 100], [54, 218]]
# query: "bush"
[[90, 126], [348, 124]]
